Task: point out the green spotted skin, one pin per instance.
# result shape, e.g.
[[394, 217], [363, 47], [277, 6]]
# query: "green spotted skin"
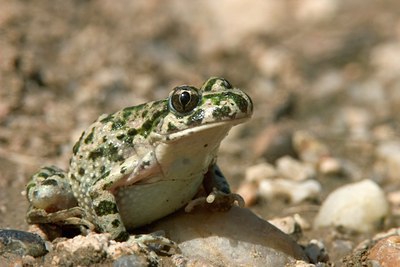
[[141, 163]]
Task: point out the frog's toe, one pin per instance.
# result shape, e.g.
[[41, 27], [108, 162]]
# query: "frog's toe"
[[216, 201], [155, 242]]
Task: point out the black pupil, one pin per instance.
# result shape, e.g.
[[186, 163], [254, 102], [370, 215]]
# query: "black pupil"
[[184, 98]]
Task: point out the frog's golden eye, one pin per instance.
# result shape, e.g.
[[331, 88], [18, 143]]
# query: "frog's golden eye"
[[184, 99], [226, 84]]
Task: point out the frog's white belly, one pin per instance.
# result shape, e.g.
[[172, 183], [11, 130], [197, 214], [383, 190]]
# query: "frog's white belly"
[[144, 203]]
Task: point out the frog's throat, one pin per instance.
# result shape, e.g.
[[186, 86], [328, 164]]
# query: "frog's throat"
[[166, 138]]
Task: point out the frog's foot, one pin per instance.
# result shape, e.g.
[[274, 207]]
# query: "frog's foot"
[[73, 216], [156, 242], [216, 201]]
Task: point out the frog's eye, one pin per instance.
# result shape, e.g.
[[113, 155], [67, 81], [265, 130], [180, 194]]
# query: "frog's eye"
[[225, 83], [184, 99]]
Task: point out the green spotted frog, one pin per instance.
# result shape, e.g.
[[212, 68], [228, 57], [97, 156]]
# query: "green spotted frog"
[[144, 162]]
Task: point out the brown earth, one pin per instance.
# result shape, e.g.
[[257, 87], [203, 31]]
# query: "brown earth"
[[328, 67]]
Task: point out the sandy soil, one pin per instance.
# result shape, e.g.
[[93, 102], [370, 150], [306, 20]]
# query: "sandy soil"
[[328, 67]]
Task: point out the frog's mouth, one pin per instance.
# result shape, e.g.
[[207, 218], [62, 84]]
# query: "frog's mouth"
[[200, 130]]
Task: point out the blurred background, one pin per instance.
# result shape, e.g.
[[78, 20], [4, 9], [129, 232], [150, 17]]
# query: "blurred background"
[[324, 70]]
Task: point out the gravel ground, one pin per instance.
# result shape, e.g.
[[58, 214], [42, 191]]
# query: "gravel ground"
[[327, 70]]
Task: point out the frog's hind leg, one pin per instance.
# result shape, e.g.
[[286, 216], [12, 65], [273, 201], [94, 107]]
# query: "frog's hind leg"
[[74, 217], [220, 197]]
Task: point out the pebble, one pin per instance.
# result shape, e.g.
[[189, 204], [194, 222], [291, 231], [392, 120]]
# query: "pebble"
[[356, 121], [21, 243], [249, 193], [289, 226], [388, 160], [394, 200], [386, 252], [295, 170], [309, 148], [131, 260], [225, 238], [316, 11], [259, 172], [97, 248], [294, 191], [272, 143], [330, 166], [316, 251], [359, 207], [384, 59]]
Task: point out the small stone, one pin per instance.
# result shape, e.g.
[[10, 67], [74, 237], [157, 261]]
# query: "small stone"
[[340, 248], [260, 172], [131, 260], [394, 200], [304, 224], [386, 252], [288, 225], [316, 251], [388, 163], [316, 11], [330, 166], [21, 243], [273, 143], [249, 192], [309, 148], [384, 59], [294, 191], [293, 169], [358, 207]]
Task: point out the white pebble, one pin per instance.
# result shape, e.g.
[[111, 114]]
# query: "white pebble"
[[293, 169], [309, 148], [330, 166], [359, 207], [388, 163], [295, 191], [259, 172]]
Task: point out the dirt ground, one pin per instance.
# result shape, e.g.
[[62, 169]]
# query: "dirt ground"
[[328, 67]]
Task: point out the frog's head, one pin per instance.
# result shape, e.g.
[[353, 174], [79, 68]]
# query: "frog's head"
[[215, 104]]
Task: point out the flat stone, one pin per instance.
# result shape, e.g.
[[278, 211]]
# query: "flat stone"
[[226, 238]]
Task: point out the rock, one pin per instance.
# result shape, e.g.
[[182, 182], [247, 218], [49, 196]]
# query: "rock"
[[249, 192], [383, 58], [356, 121], [99, 248], [358, 207], [388, 163], [131, 260], [316, 11], [295, 191], [21, 243], [394, 200], [259, 172], [225, 238], [272, 143], [309, 148], [378, 246], [386, 252], [330, 166], [289, 226], [293, 169], [316, 251]]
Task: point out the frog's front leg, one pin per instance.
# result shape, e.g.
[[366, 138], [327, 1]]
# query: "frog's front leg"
[[219, 195], [106, 213], [102, 193]]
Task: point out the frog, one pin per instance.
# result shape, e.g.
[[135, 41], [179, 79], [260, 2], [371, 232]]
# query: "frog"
[[142, 163]]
